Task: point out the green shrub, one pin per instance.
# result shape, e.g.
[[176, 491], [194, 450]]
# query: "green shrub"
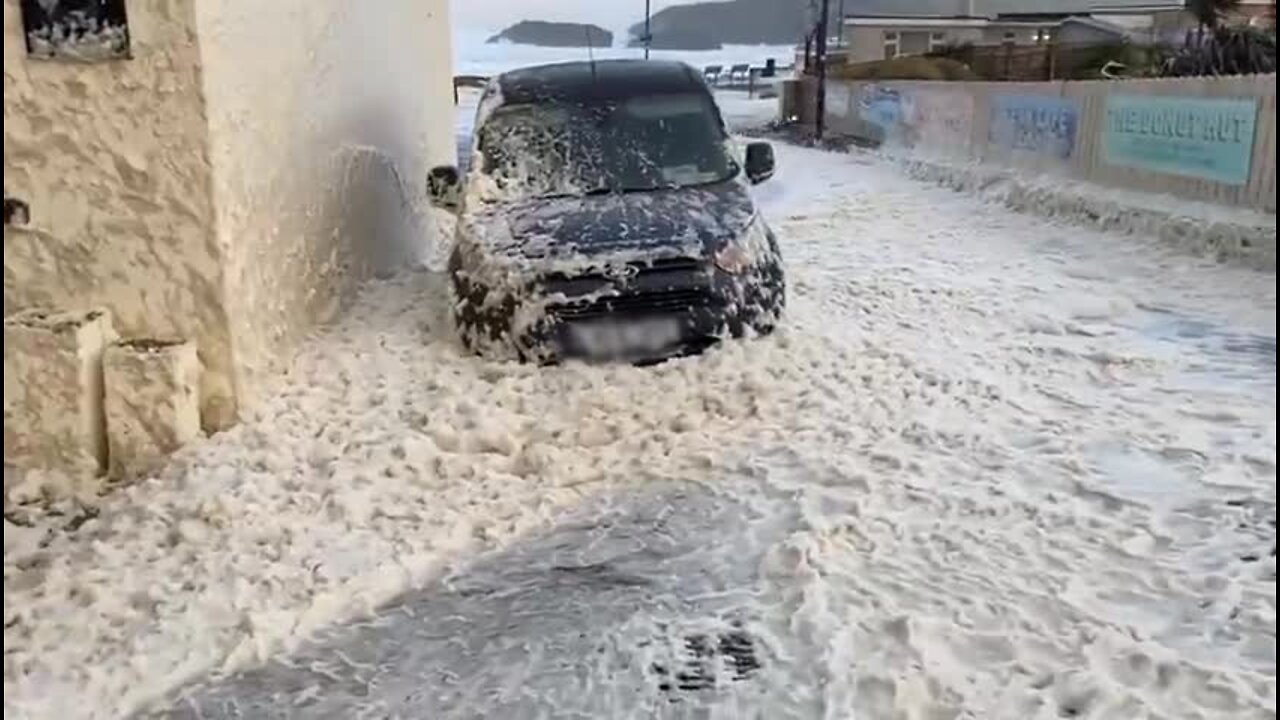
[[1226, 51], [912, 67]]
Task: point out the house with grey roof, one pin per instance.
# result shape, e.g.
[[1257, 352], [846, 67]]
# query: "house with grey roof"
[[881, 29]]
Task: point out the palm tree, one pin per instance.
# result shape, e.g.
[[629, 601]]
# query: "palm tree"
[[1209, 13]]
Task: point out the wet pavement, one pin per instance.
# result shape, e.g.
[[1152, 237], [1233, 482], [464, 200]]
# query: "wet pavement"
[[635, 606]]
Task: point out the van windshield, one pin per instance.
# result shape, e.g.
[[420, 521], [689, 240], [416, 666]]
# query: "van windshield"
[[634, 144]]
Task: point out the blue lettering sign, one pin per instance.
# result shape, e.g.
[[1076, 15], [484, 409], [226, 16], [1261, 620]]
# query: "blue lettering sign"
[[880, 106], [1197, 137], [1035, 123]]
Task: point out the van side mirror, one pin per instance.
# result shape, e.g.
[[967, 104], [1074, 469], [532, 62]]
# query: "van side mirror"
[[759, 162], [445, 186]]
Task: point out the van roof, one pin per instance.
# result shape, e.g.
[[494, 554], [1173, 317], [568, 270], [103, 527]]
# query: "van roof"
[[586, 81]]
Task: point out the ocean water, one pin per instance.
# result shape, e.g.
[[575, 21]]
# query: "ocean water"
[[473, 56]]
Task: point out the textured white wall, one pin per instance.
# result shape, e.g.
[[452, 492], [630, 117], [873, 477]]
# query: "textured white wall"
[[235, 180], [112, 159], [324, 116]]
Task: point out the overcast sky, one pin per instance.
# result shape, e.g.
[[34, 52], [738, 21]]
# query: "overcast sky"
[[497, 14]]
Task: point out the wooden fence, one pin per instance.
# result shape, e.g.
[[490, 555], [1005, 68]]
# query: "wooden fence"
[[1047, 61], [1202, 138]]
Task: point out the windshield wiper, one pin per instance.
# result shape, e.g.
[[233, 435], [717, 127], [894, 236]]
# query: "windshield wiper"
[[656, 187], [676, 185], [593, 192]]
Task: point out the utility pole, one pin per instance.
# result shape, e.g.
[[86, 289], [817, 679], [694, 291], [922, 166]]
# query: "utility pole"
[[840, 27], [648, 36], [821, 52]]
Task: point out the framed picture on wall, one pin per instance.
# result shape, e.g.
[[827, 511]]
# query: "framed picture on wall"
[[77, 30]]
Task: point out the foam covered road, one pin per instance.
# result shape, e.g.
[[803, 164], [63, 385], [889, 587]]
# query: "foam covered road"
[[992, 468]]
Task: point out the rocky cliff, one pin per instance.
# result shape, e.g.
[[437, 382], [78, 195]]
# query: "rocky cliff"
[[700, 26], [677, 38], [555, 34]]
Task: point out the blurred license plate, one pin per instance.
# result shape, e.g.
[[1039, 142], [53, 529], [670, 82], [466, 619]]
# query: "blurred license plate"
[[626, 337]]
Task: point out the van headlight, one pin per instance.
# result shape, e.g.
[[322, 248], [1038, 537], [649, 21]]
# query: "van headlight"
[[740, 254]]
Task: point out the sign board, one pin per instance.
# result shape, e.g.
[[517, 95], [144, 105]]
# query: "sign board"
[[838, 99], [1205, 138], [880, 106], [938, 119], [1041, 124]]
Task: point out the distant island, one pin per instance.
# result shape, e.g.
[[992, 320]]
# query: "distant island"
[[555, 34], [709, 25]]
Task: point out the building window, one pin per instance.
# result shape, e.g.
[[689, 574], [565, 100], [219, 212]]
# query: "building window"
[[890, 45], [913, 43], [1042, 36], [937, 40], [80, 30], [1010, 37]]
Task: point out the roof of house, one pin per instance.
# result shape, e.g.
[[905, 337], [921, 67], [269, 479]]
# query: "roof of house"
[[994, 8], [917, 21], [1096, 24], [600, 80]]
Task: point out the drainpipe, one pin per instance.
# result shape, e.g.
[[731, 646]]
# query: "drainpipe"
[[840, 25], [648, 36], [821, 105]]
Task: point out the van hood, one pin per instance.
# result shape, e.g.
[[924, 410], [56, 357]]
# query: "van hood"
[[680, 221]]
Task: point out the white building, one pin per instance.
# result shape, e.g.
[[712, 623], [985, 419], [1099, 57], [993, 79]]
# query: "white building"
[[881, 29], [231, 176]]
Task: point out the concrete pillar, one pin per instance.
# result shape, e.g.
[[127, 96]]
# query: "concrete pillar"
[[152, 391], [53, 415]]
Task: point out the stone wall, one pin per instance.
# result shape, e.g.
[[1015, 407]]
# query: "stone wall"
[[149, 403], [53, 390]]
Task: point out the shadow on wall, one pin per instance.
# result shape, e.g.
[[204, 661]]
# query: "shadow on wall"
[[321, 214], [375, 214], [378, 181]]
